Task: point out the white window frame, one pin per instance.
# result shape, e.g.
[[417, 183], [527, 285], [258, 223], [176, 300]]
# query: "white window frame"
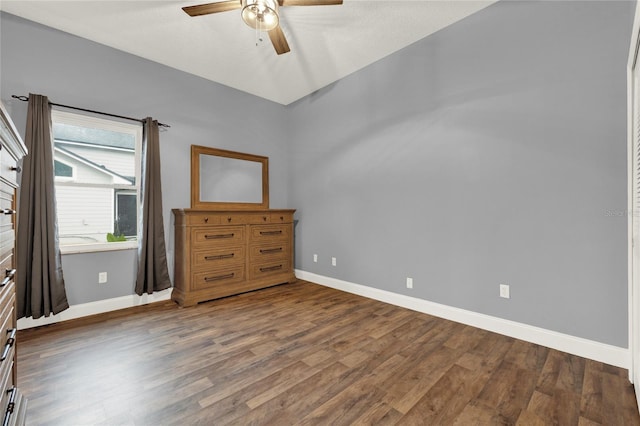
[[76, 119]]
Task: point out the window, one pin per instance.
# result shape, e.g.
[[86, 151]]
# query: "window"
[[96, 164], [126, 213], [62, 170]]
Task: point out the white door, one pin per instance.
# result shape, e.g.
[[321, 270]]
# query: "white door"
[[635, 233], [634, 205]]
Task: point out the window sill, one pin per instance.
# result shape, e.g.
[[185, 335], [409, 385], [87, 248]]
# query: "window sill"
[[98, 247]]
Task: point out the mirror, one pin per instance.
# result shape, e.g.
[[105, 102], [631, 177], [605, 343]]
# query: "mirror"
[[223, 179]]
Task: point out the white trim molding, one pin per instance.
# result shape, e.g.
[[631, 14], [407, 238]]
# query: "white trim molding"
[[597, 351], [98, 307]]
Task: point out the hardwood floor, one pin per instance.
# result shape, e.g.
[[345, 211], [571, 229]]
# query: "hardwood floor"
[[309, 355]]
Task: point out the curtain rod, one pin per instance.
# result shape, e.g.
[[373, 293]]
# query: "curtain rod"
[[25, 99]]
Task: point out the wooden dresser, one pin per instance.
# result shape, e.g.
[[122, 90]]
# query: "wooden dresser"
[[12, 405], [219, 253]]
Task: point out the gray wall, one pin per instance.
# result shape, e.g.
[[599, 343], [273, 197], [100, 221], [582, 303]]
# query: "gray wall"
[[75, 71], [492, 152]]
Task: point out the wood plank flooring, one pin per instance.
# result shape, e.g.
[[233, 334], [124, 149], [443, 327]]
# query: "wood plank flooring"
[[304, 354]]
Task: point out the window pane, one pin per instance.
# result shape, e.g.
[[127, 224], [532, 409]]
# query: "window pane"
[[126, 214], [84, 214], [62, 170]]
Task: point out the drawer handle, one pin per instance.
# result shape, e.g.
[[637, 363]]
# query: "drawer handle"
[[10, 341], [8, 211], [206, 220], [264, 218], [271, 268], [218, 236], [219, 277], [229, 219], [16, 169], [271, 232], [11, 405], [8, 277], [220, 256], [274, 250]]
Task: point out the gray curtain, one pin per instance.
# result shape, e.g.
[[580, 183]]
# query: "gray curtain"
[[39, 284], [153, 274]]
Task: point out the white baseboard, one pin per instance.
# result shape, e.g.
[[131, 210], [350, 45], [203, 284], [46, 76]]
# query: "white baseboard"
[[98, 307], [613, 355]]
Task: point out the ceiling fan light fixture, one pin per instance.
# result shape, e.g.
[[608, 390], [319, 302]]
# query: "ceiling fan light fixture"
[[261, 15]]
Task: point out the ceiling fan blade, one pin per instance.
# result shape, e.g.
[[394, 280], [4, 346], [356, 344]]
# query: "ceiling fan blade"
[[279, 41], [208, 8], [309, 2]]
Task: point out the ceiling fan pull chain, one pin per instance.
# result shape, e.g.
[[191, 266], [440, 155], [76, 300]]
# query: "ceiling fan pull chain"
[[258, 38]]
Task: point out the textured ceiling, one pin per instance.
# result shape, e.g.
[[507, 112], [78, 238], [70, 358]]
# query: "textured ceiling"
[[327, 42]]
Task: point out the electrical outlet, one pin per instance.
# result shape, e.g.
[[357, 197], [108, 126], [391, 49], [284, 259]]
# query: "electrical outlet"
[[504, 291], [315, 258], [333, 261], [102, 277], [409, 282]]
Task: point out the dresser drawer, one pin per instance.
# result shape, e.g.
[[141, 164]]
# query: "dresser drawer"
[[281, 218], [260, 233], [6, 264], [6, 195], [8, 167], [266, 269], [259, 218], [269, 251], [7, 239], [218, 277], [215, 258], [7, 296], [15, 409], [7, 231], [233, 219], [222, 236], [7, 342], [6, 384], [7, 214], [203, 219]]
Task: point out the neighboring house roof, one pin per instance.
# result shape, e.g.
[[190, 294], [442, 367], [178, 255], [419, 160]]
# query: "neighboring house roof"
[[93, 165], [93, 137]]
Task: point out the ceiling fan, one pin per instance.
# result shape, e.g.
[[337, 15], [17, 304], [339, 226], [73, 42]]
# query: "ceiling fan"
[[261, 15]]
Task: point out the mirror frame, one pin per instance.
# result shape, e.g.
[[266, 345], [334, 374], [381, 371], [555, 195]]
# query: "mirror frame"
[[196, 203]]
